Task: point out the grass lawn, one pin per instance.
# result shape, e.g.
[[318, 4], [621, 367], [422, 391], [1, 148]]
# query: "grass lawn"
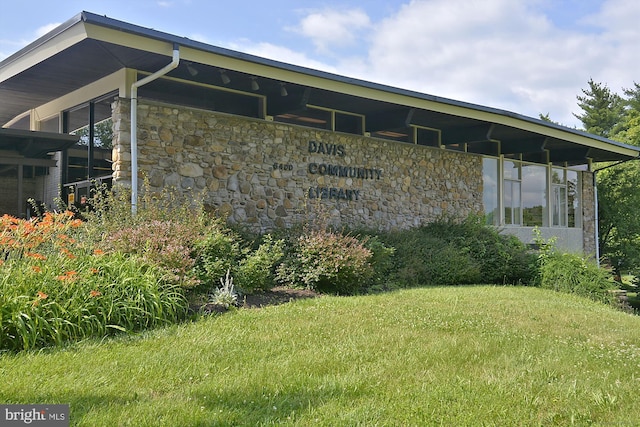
[[437, 356]]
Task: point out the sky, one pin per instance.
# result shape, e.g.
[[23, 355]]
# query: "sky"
[[530, 57]]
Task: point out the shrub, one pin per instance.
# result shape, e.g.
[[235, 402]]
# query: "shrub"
[[446, 252], [165, 243], [257, 270], [382, 262], [215, 253], [572, 273], [328, 262]]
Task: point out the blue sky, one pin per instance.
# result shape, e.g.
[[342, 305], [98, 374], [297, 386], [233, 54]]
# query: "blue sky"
[[525, 56]]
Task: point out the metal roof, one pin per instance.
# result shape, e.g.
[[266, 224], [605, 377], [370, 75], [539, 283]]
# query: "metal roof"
[[89, 47]]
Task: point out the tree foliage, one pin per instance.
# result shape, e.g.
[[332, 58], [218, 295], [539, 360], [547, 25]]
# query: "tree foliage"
[[617, 117], [602, 109]]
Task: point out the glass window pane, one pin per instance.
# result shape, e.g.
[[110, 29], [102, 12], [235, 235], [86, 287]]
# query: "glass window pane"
[[534, 197], [517, 203], [490, 190], [573, 199], [512, 203], [558, 176], [559, 205], [511, 170]]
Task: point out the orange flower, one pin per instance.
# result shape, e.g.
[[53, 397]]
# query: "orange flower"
[[36, 268], [35, 255], [42, 295], [98, 252], [68, 253], [94, 294], [68, 276], [94, 270]]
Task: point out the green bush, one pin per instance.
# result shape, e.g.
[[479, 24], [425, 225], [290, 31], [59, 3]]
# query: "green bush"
[[257, 270], [446, 252], [328, 262], [215, 253], [382, 261], [572, 273]]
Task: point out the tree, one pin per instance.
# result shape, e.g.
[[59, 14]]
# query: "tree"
[[619, 223], [629, 130], [103, 135], [603, 109], [612, 116]]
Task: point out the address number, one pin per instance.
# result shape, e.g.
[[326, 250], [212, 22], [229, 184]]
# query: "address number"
[[282, 167]]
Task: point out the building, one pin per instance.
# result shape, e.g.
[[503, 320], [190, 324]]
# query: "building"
[[263, 142]]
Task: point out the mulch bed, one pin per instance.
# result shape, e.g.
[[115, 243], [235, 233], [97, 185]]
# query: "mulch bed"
[[276, 296]]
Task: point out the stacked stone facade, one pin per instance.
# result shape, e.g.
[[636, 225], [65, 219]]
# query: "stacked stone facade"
[[266, 174], [588, 214]]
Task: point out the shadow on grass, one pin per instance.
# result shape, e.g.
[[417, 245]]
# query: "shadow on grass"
[[269, 406]]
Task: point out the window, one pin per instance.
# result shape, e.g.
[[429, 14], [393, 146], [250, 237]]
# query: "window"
[[559, 197], [534, 195], [490, 191], [92, 120], [512, 172], [573, 200], [529, 195]]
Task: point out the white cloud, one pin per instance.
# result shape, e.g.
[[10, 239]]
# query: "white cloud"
[[330, 29], [500, 53], [497, 53]]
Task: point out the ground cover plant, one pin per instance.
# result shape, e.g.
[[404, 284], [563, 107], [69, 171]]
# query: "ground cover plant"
[[479, 355]]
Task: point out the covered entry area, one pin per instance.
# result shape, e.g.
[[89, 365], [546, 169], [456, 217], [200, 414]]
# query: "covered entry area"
[[27, 167]]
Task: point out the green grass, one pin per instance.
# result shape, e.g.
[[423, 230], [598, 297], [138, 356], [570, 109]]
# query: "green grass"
[[437, 356]]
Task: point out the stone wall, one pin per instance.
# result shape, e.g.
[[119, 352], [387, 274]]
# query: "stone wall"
[[266, 174], [588, 214]]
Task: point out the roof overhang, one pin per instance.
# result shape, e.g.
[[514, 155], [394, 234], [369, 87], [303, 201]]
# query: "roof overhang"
[[90, 47], [29, 148]]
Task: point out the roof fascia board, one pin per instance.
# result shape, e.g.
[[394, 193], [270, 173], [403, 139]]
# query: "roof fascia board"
[[36, 135], [27, 161], [131, 40], [42, 49]]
